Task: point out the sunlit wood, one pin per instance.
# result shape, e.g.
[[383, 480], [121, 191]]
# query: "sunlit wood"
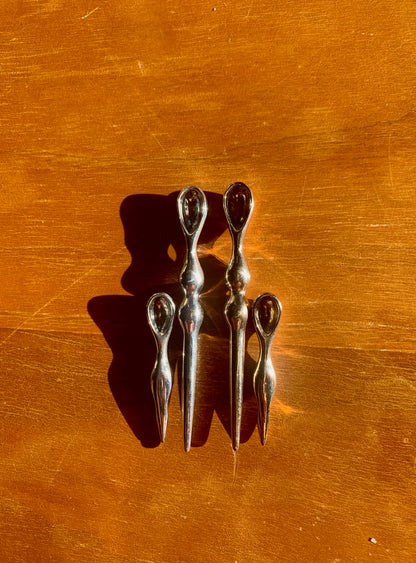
[[107, 110]]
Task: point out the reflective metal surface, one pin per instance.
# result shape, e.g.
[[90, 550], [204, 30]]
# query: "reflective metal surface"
[[267, 311], [238, 206], [160, 314], [192, 209]]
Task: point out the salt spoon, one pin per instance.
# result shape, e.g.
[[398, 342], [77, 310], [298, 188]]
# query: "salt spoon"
[[267, 312], [192, 210], [160, 314], [238, 206]]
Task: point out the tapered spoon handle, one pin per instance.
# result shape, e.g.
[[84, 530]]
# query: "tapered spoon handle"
[[192, 210], [160, 315], [267, 312], [238, 206]]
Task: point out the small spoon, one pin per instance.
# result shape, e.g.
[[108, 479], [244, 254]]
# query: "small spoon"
[[160, 314], [192, 209], [267, 311], [238, 206]]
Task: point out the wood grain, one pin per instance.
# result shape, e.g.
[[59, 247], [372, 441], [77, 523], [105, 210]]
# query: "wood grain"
[[107, 110]]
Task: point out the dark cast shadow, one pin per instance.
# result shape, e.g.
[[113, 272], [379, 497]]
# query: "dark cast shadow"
[[157, 252]]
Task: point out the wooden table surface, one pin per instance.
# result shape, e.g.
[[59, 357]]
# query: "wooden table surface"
[[107, 110]]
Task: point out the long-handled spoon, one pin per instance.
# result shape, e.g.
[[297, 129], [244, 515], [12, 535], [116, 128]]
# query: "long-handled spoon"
[[192, 209], [238, 206], [160, 314], [267, 311]]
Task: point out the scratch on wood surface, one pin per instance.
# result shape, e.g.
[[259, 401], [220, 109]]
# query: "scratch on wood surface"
[[89, 13], [389, 159], [59, 294], [61, 459], [154, 135], [141, 67], [28, 412], [153, 115], [249, 11], [377, 193], [302, 195]]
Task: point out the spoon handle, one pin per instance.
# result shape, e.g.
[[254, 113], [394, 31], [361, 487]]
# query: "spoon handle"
[[267, 312], [238, 206], [192, 209], [160, 314]]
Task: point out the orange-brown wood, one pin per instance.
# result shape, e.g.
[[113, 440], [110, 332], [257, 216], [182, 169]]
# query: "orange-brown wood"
[[107, 110]]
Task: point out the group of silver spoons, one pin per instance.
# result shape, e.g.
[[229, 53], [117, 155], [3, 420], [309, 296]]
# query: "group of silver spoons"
[[266, 310]]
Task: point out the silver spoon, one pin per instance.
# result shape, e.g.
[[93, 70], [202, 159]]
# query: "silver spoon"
[[238, 206], [192, 209], [267, 311], [160, 314]]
